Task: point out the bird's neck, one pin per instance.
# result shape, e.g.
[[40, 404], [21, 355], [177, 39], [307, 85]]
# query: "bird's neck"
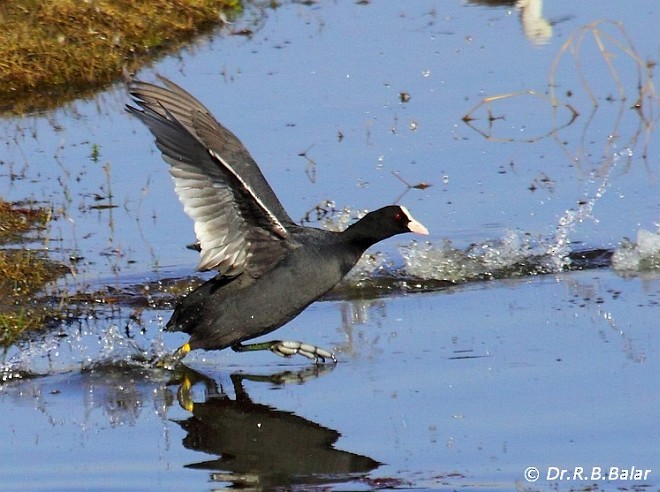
[[361, 237]]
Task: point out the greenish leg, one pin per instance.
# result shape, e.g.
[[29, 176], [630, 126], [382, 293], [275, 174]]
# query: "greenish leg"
[[253, 347], [287, 349]]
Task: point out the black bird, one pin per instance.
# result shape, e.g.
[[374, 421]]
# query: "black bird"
[[270, 268]]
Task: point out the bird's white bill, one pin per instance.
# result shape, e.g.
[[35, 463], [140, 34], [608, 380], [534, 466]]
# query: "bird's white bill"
[[413, 225], [417, 228]]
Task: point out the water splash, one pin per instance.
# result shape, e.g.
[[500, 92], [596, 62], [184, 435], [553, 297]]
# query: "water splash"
[[642, 256], [337, 220], [86, 346], [516, 254]]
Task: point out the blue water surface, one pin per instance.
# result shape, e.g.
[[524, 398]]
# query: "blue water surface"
[[462, 387]]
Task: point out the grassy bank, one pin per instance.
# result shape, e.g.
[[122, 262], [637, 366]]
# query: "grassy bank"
[[55, 50]]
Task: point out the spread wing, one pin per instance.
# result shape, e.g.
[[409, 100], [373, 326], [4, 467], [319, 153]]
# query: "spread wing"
[[239, 222]]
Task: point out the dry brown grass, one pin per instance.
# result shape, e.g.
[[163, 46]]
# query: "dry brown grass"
[[66, 47]]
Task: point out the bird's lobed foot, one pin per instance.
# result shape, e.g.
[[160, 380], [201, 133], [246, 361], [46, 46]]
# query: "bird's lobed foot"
[[288, 348]]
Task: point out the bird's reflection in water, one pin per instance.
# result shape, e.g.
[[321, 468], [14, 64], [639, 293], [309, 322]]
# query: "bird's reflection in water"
[[260, 446]]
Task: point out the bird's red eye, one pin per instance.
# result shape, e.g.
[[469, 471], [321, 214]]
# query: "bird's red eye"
[[397, 217]]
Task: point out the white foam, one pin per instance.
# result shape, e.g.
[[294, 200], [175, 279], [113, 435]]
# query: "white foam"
[[514, 254], [644, 255]]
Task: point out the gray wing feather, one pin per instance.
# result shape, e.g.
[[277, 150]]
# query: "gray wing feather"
[[200, 123], [239, 223]]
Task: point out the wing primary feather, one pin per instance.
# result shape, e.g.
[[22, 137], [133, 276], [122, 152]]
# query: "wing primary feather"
[[218, 183]]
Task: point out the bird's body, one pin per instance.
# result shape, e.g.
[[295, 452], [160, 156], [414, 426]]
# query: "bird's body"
[[297, 282], [269, 268]]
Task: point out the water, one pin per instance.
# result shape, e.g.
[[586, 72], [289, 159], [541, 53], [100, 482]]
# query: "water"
[[521, 334]]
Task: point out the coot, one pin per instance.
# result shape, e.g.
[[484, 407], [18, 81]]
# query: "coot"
[[269, 267]]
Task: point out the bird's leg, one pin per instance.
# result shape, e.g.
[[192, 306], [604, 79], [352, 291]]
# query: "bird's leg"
[[285, 348], [181, 352], [170, 361]]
